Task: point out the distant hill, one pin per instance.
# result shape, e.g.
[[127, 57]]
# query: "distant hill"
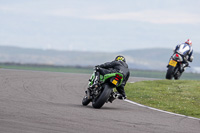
[[52, 57], [155, 58], [151, 59], [148, 58]]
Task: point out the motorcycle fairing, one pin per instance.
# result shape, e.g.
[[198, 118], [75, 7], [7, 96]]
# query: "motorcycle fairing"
[[105, 77]]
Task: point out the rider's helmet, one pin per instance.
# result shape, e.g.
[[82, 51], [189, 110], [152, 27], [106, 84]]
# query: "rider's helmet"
[[120, 58], [189, 42]]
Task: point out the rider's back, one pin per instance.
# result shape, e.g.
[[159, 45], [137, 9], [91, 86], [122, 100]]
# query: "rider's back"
[[184, 49], [119, 66]]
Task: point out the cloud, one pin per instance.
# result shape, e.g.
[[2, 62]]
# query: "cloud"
[[157, 17], [5, 8], [67, 12], [151, 16], [19, 10]]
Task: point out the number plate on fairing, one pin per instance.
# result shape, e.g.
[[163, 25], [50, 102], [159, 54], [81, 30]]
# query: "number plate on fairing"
[[173, 63], [114, 82]]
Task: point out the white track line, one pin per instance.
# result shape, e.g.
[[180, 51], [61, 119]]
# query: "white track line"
[[160, 110]]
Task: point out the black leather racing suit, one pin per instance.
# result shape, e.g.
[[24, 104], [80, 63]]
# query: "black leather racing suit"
[[116, 66]]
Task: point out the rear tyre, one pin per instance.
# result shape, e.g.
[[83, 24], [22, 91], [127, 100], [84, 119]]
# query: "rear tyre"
[[170, 72], [100, 101], [85, 101]]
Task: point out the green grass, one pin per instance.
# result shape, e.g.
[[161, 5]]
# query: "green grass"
[[162, 74], [182, 97]]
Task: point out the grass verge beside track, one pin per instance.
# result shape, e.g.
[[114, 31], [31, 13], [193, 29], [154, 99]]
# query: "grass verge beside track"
[[177, 96]]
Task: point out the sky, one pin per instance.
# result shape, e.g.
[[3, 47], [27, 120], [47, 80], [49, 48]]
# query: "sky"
[[99, 25]]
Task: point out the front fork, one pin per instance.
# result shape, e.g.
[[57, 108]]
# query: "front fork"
[[97, 77], [178, 69], [181, 68], [93, 92]]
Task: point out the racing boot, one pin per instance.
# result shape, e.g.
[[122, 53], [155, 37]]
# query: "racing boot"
[[112, 97], [184, 66]]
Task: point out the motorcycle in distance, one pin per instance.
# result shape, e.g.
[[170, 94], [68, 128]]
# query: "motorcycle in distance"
[[175, 66], [104, 92]]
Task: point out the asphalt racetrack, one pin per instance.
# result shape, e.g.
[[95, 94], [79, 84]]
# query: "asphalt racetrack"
[[50, 102]]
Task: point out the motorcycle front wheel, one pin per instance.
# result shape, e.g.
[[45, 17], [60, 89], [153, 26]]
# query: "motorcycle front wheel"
[[178, 75], [100, 101], [85, 101]]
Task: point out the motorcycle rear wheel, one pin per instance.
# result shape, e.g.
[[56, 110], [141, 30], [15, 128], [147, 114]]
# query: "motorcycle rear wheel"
[[170, 72], [100, 101]]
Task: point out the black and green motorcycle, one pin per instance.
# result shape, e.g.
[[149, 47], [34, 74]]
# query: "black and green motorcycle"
[[104, 92]]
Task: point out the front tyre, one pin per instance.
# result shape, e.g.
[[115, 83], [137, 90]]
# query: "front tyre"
[[170, 72], [100, 101], [85, 101]]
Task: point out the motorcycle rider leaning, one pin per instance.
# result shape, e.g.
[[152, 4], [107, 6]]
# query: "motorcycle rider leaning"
[[186, 51], [118, 65]]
